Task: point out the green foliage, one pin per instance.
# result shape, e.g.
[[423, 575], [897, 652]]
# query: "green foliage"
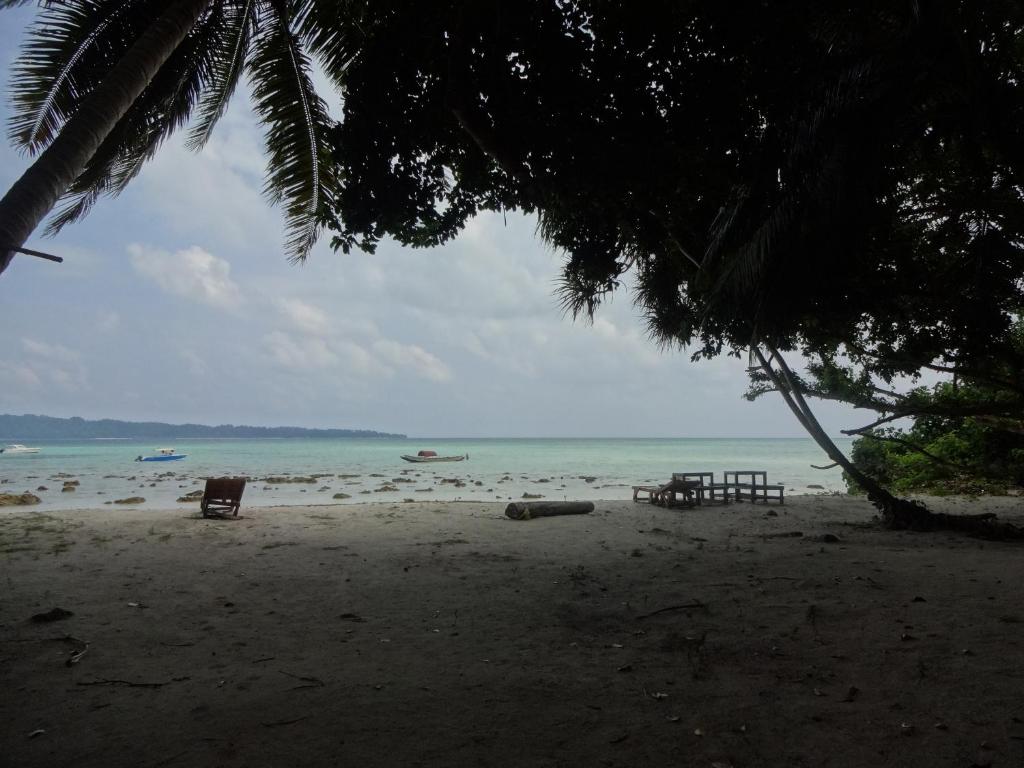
[[941, 457]]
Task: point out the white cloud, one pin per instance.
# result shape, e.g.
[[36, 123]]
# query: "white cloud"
[[196, 364], [54, 352], [423, 363], [301, 354], [107, 320], [51, 363], [303, 316], [191, 273], [19, 374]]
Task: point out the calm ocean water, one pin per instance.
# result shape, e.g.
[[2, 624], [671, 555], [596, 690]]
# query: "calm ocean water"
[[497, 469]]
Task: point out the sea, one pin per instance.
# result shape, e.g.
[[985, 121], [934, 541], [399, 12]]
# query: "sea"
[[361, 470]]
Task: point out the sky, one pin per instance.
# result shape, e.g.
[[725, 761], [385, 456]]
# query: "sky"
[[176, 303]]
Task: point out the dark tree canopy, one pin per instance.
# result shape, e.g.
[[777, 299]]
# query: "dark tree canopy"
[[810, 174]]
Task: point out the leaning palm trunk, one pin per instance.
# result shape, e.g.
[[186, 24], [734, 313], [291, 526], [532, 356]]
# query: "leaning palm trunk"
[[896, 513], [34, 195]]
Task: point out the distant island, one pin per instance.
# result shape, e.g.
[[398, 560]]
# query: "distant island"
[[31, 427]]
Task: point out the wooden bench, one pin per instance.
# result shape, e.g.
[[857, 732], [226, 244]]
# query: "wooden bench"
[[667, 495], [650, 490], [757, 489], [707, 489]]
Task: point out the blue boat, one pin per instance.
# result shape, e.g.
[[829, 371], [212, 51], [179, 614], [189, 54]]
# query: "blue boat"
[[163, 454]]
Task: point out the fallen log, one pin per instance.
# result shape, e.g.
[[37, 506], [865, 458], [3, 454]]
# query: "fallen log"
[[519, 510]]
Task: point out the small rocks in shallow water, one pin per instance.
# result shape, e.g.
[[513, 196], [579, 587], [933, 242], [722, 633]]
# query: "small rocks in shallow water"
[[278, 480], [18, 499], [42, 488], [830, 538], [341, 496], [816, 487], [193, 496], [130, 500], [533, 496]]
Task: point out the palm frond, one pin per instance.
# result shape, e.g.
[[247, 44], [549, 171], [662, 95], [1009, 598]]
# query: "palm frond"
[[239, 25], [300, 171], [66, 46], [333, 31], [163, 107]]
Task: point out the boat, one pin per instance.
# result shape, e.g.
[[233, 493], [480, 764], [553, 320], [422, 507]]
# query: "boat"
[[431, 456], [163, 454], [14, 448]]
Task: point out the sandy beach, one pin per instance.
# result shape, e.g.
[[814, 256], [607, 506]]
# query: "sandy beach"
[[445, 634]]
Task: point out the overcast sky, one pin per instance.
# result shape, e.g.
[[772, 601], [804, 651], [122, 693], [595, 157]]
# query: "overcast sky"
[[176, 303]]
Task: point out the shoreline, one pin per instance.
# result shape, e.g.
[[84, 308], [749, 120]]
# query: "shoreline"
[[443, 633]]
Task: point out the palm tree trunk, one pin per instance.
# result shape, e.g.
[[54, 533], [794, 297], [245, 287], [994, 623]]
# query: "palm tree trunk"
[[896, 512], [33, 196]]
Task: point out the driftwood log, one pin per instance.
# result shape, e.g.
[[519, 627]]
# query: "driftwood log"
[[525, 510]]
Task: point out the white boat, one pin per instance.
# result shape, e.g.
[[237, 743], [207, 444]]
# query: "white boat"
[[16, 448], [431, 456]]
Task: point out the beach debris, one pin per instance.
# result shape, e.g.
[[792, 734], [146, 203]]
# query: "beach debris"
[[530, 510], [285, 722], [696, 605], [784, 535], [619, 739], [18, 499], [307, 681], [76, 656], [132, 683], [851, 694], [830, 538], [351, 617], [919, 599], [54, 614], [673, 718], [37, 732], [656, 695]]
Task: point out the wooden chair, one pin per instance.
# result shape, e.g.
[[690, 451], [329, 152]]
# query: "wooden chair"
[[222, 495]]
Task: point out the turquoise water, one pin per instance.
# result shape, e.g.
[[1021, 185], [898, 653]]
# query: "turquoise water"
[[497, 469]]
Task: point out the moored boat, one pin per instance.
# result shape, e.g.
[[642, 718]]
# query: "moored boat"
[[431, 456], [163, 454], [15, 448]]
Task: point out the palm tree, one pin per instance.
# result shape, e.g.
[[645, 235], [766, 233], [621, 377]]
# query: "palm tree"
[[102, 83]]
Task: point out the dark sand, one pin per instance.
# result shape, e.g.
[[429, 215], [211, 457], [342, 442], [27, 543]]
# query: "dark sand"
[[443, 634]]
